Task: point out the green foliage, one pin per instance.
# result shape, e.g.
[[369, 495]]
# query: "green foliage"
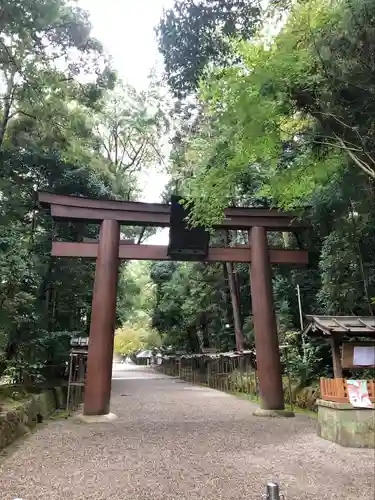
[[136, 293], [294, 112], [193, 308], [39, 296], [194, 34], [46, 47], [134, 338], [127, 132], [308, 364]]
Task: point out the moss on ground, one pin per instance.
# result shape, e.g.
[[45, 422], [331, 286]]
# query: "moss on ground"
[[22, 413]]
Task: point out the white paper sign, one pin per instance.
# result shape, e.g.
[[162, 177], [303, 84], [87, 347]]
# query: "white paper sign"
[[364, 356]]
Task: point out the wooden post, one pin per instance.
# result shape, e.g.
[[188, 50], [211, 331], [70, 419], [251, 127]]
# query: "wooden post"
[[266, 339], [238, 290], [236, 308], [336, 359], [103, 316]]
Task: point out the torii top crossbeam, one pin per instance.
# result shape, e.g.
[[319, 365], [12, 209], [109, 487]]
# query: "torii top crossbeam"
[[158, 215]]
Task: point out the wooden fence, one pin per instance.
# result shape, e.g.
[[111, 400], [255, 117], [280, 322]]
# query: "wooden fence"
[[231, 373]]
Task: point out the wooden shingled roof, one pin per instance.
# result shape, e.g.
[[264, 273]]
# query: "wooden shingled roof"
[[344, 326]]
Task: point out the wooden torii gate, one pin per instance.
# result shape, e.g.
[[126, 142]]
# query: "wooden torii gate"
[[109, 250]]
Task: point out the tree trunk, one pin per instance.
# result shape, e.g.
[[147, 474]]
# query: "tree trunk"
[[234, 294], [8, 101], [228, 301], [193, 340], [238, 292], [235, 306], [205, 334], [360, 259]]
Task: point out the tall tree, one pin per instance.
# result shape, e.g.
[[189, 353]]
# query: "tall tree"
[[129, 132], [45, 46], [193, 34]]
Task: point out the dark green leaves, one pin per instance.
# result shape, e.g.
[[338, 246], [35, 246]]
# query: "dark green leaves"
[[193, 34]]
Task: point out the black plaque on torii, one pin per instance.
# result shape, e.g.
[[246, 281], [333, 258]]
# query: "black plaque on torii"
[[186, 242]]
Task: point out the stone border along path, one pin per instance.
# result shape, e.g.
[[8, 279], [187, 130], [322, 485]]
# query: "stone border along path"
[[177, 441]]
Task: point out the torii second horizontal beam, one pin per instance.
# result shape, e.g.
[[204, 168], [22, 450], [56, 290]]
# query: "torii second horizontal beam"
[[159, 252]]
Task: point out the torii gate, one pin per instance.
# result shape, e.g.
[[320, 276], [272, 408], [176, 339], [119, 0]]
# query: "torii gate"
[[109, 250]]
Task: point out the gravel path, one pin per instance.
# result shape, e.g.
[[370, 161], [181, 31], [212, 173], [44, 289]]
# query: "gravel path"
[[177, 441]]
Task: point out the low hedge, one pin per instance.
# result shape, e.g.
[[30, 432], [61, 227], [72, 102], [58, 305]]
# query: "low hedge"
[[302, 397]]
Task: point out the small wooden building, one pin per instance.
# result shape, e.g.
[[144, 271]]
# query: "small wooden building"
[[338, 330]]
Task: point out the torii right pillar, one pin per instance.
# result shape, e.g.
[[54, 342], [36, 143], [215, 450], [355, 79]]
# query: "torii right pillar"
[[265, 328]]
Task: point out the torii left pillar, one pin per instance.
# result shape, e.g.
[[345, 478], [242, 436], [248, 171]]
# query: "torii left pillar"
[[103, 317]]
